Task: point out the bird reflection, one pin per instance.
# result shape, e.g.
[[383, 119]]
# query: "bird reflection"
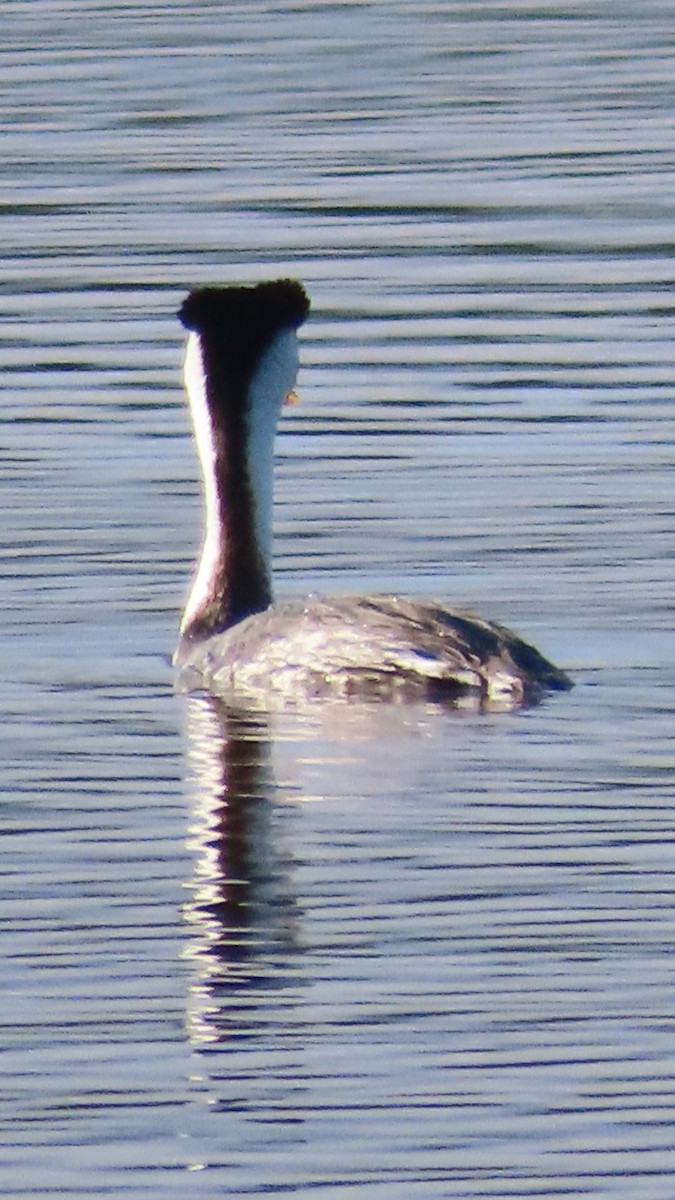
[[242, 912]]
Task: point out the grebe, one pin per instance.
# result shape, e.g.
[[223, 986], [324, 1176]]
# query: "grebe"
[[241, 363]]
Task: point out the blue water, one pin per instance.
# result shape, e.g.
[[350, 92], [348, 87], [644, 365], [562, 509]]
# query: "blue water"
[[371, 951]]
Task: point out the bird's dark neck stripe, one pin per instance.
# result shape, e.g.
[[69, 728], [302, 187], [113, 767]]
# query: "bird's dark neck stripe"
[[237, 365], [233, 578]]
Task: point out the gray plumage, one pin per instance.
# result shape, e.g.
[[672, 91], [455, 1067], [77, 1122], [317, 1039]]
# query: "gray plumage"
[[382, 646]]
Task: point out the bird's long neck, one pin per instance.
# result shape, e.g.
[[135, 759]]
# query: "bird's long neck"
[[234, 424]]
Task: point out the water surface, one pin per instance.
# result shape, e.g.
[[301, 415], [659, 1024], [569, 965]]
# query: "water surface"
[[379, 952]]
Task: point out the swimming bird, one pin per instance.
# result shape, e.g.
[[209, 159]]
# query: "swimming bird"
[[241, 363]]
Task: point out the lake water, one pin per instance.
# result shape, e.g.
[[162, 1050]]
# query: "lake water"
[[377, 952]]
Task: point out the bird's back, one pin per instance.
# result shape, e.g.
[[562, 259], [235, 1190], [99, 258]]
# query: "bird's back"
[[371, 645]]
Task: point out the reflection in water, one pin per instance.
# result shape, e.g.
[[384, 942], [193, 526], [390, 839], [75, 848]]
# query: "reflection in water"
[[242, 911]]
